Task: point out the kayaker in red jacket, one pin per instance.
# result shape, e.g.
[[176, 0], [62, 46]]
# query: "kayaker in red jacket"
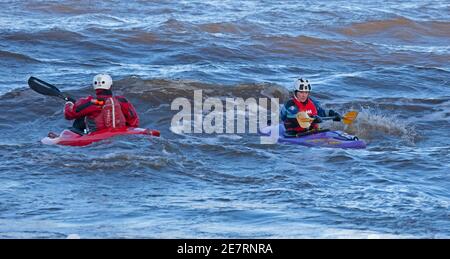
[[105, 111], [301, 102]]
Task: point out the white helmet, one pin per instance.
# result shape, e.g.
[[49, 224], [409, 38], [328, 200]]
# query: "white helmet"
[[302, 85], [102, 81]]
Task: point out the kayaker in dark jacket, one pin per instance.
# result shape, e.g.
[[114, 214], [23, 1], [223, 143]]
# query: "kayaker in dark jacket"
[[105, 111], [301, 102]]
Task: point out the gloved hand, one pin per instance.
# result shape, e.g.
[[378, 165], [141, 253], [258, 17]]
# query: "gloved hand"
[[317, 119], [337, 116], [70, 99]]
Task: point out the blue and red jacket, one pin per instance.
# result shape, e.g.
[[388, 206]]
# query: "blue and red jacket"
[[105, 111], [292, 107]]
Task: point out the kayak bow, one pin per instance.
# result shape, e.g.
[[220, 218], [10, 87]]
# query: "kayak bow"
[[70, 138]]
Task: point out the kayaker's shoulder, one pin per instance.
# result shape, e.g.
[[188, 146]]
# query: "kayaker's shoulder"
[[289, 102], [121, 98], [315, 101], [86, 99]]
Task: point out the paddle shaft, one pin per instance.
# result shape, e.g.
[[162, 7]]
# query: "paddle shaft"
[[323, 118], [306, 121], [327, 118]]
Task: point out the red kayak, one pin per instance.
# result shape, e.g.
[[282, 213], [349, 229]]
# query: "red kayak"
[[70, 138]]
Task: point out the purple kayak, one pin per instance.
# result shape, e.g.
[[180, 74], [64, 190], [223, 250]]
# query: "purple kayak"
[[325, 138]]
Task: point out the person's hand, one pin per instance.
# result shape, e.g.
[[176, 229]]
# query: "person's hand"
[[317, 119], [69, 99], [337, 116]]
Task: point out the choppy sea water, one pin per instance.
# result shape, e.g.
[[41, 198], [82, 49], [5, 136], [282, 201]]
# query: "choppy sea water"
[[389, 60]]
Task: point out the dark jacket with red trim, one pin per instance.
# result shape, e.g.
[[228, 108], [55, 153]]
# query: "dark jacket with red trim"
[[292, 107]]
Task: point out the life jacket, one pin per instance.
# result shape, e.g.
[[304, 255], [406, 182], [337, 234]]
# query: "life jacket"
[[110, 116], [307, 107]]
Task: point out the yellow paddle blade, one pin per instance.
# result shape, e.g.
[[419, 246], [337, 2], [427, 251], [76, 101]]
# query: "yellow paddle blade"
[[304, 120], [349, 117]]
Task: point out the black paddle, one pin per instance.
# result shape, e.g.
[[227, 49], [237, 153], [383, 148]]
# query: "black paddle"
[[47, 89]]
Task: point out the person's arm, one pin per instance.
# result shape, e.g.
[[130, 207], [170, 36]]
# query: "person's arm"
[[131, 116], [288, 111], [320, 111], [283, 113], [78, 109], [323, 113]]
